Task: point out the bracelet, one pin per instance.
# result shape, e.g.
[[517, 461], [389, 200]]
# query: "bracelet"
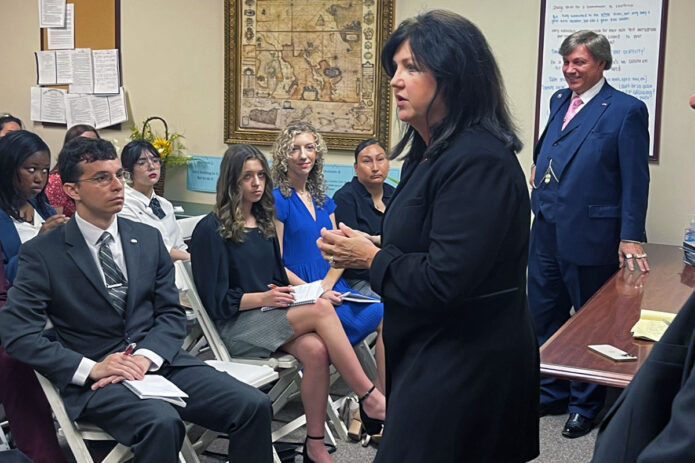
[[632, 241]]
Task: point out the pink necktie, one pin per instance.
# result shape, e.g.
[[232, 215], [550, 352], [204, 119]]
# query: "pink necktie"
[[571, 111]]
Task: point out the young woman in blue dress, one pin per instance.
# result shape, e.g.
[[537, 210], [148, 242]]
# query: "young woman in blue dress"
[[237, 268], [302, 210]]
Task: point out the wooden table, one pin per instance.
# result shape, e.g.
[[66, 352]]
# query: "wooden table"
[[607, 317]]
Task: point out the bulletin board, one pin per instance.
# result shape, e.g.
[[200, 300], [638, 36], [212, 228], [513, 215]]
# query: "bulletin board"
[[636, 30], [97, 25]]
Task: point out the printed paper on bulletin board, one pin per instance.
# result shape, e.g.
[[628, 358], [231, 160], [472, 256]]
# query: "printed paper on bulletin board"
[[635, 30]]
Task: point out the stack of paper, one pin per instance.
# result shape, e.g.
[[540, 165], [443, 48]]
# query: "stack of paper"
[[689, 252], [157, 387], [253, 375], [652, 324]]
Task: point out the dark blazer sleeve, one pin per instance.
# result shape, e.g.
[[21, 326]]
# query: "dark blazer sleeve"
[[10, 243], [346, 209], [555, 101], [676, 442], [9, 236], [168, 329], [460, 255], [633, 154], [279, 273], [4, 284], [24, 317], [210, 263]]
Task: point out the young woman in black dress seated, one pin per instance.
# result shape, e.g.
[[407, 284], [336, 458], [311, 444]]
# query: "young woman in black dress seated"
[[236, 259]]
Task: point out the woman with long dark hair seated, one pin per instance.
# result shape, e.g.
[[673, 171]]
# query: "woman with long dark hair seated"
[[24, 213], [237, 267]]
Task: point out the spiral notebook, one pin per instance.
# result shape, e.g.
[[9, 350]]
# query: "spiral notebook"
[[307, 293]]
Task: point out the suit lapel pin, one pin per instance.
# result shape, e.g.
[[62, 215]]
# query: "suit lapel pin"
[[559, 95], [133, 240], [604, 104]]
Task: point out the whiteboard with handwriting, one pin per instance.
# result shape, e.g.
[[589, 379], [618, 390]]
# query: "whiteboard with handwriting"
[[634, 30]]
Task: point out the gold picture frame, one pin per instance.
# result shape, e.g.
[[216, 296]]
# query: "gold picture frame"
[[314, 60]]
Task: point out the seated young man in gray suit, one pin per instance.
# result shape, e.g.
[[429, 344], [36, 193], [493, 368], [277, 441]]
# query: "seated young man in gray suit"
[[106, 282]]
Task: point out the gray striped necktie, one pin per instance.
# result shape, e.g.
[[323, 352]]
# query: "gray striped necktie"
[[116, 284]]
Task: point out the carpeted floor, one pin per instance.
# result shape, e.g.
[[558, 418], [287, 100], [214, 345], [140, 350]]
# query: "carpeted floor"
[[553, 446]]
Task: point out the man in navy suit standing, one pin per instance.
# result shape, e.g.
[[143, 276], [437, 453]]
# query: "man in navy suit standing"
[[106, 283], [590, 185]]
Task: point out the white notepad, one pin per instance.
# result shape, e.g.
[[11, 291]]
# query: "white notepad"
[[307, 293], [253, 375], [157, 387]]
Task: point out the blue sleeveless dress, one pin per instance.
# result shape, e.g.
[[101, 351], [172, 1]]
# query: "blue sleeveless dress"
[[302, 256]]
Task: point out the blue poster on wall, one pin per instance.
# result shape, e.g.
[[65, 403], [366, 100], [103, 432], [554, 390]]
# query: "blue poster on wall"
[[203, 172]]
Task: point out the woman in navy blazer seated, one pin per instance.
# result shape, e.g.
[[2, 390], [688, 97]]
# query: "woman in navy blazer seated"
[[143, 164], [25, 212], [24, 208], [461, 356]]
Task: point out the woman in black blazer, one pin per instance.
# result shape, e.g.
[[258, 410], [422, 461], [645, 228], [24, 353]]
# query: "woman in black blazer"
[[461, 356]]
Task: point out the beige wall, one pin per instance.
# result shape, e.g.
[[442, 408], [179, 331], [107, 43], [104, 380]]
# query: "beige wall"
[[173, 52]]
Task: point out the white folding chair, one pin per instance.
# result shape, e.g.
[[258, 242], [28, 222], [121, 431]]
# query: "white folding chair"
[[287, 366], [187, 225], [4, 444], [76, 433]]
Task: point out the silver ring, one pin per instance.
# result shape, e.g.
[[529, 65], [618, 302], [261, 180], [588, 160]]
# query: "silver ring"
[[628, 256], [331, 261]]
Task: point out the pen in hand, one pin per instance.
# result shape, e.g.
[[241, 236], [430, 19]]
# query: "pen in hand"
[[129, 350]]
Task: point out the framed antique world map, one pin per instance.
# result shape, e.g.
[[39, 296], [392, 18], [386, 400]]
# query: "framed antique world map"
[[312, 60]]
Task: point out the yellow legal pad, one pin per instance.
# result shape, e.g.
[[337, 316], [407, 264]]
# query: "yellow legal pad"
[[652, 324]]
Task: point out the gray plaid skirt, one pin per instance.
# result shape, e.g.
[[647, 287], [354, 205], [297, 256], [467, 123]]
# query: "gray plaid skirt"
[[255, 334]]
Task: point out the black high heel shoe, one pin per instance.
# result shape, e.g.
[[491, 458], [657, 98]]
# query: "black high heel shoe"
[[371, 425], [305, 453]]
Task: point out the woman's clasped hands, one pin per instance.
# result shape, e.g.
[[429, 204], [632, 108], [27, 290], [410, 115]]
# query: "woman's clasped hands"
[[346, 248]]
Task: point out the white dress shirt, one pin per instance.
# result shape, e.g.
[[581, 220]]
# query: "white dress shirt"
[[26, 230], [136, 207], [91, 234]]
